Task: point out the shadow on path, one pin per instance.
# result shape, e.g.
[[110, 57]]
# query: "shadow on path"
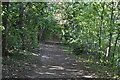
[[52, 62], [55, 63]]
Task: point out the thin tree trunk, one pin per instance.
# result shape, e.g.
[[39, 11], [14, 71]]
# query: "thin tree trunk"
[[100, 42], [110, 35], [5, 33], [100, 31], [116, 40], [41, 34], [110, 40], [21, 24]]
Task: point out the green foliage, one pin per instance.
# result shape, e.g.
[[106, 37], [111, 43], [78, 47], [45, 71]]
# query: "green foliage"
[[2, 28], [78, 49], [91, 24], [25, 21], [90, 28]]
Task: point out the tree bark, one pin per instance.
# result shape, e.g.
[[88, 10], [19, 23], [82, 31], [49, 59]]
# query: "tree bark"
[[110, 34], [116, 40], [41, 34], [100, 30], [21, 24], [110, 40], [5, 32]]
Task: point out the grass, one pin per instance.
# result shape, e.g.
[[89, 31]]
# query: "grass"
[[22, 57], [20, 61], [95, 65], [67, 49]]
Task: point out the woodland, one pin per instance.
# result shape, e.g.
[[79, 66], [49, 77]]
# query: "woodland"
[[87, 30]]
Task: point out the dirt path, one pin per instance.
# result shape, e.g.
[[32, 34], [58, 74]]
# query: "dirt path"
[[56, 63], [52, 62]]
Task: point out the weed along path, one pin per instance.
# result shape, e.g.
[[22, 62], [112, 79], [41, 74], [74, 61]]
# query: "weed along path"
[[52, 62]]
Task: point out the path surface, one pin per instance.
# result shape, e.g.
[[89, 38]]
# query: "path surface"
[[56, 63], [53, 62]]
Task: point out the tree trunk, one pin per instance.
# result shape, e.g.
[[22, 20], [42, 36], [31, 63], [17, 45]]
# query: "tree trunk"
[[110, 40], [100, 31], [21, 24], [5, 32], [41, 34], [116, 40], [110, 34]]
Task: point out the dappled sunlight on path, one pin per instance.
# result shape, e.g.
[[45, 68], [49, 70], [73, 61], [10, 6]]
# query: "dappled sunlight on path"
[[54, 62]]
